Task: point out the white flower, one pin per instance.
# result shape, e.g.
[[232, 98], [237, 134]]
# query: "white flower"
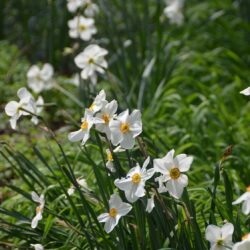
[[39, 209], [84, 132], [117, 209], [134, 183], [110, 161], [91, 61], [38, 109], [81, 182], [40, 79], [99, 102], [90, 8], [244, 244], [125, 128], [220, 238], [73, 5], [174, 11], [14, 109], [245, 198], [173, 180], [246, 91], [37, 246], [150, 204], [106, 114], [82, 27]]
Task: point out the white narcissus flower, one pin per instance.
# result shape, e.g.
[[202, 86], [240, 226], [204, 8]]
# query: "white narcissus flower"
[[134, 183], [150, 204], [91, 61], [220, 238], [84, 132], [125, 128], [106, 114], [172, 179], [174, 11], [37, 246], [81, 182], [39, 108], [73, 5], [90, 8], [110, 161], [244, 244], [40, 79], [117, 209], [246, 91], [39, 209], [82, 27], [99, 102], [14, 109], [245, 198]]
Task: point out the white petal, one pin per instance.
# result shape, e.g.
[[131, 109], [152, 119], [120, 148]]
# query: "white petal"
[[47, 72], [76, 136], [35, 220], [183, 180], [11, 108], [246, 207], [213, 233], [246, 91], [130, 194], [243, 245], [115, 201], [124, 209], [23, 93], [227, 232], [103, 217], [243, 197], [13, 121], [123, 183], [145, 164], [123, 116], [175, 188], [37, 246], [110, 224], [116, 135], [140, 191], [33, 71], [150, 205], [185, 163], [128, 141], [35, 197], [160, 166]]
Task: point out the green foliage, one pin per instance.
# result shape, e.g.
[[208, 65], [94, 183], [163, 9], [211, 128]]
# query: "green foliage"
[[186, 80]]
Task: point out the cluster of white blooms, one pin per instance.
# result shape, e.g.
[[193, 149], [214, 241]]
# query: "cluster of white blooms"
[[91, 60], [25, 107], [173, 11], [221, 238], [119, 129]]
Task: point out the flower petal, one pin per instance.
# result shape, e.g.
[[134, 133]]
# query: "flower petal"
[[76, 136], [213, 233]]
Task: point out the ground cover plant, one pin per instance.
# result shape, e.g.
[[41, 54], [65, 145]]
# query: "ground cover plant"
[[125, 124]]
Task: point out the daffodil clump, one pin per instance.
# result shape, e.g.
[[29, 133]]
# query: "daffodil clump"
[[141, 195]]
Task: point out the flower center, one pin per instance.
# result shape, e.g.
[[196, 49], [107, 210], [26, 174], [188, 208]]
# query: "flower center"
[[91, 107], [91, 61], [84, 125], [38, 209], [124, 127], [175, 173], [109, 156], [248, 189], [82, 27], [105, 117], [136, 178], [113, 212], [220, 242]]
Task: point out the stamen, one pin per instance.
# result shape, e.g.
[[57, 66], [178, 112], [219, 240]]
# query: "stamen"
[[105, 117], [84, 125], [113, 212], [136, 178], [124, 127], [175, 173]]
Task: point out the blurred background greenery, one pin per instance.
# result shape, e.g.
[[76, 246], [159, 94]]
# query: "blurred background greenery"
[[186, 80]]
